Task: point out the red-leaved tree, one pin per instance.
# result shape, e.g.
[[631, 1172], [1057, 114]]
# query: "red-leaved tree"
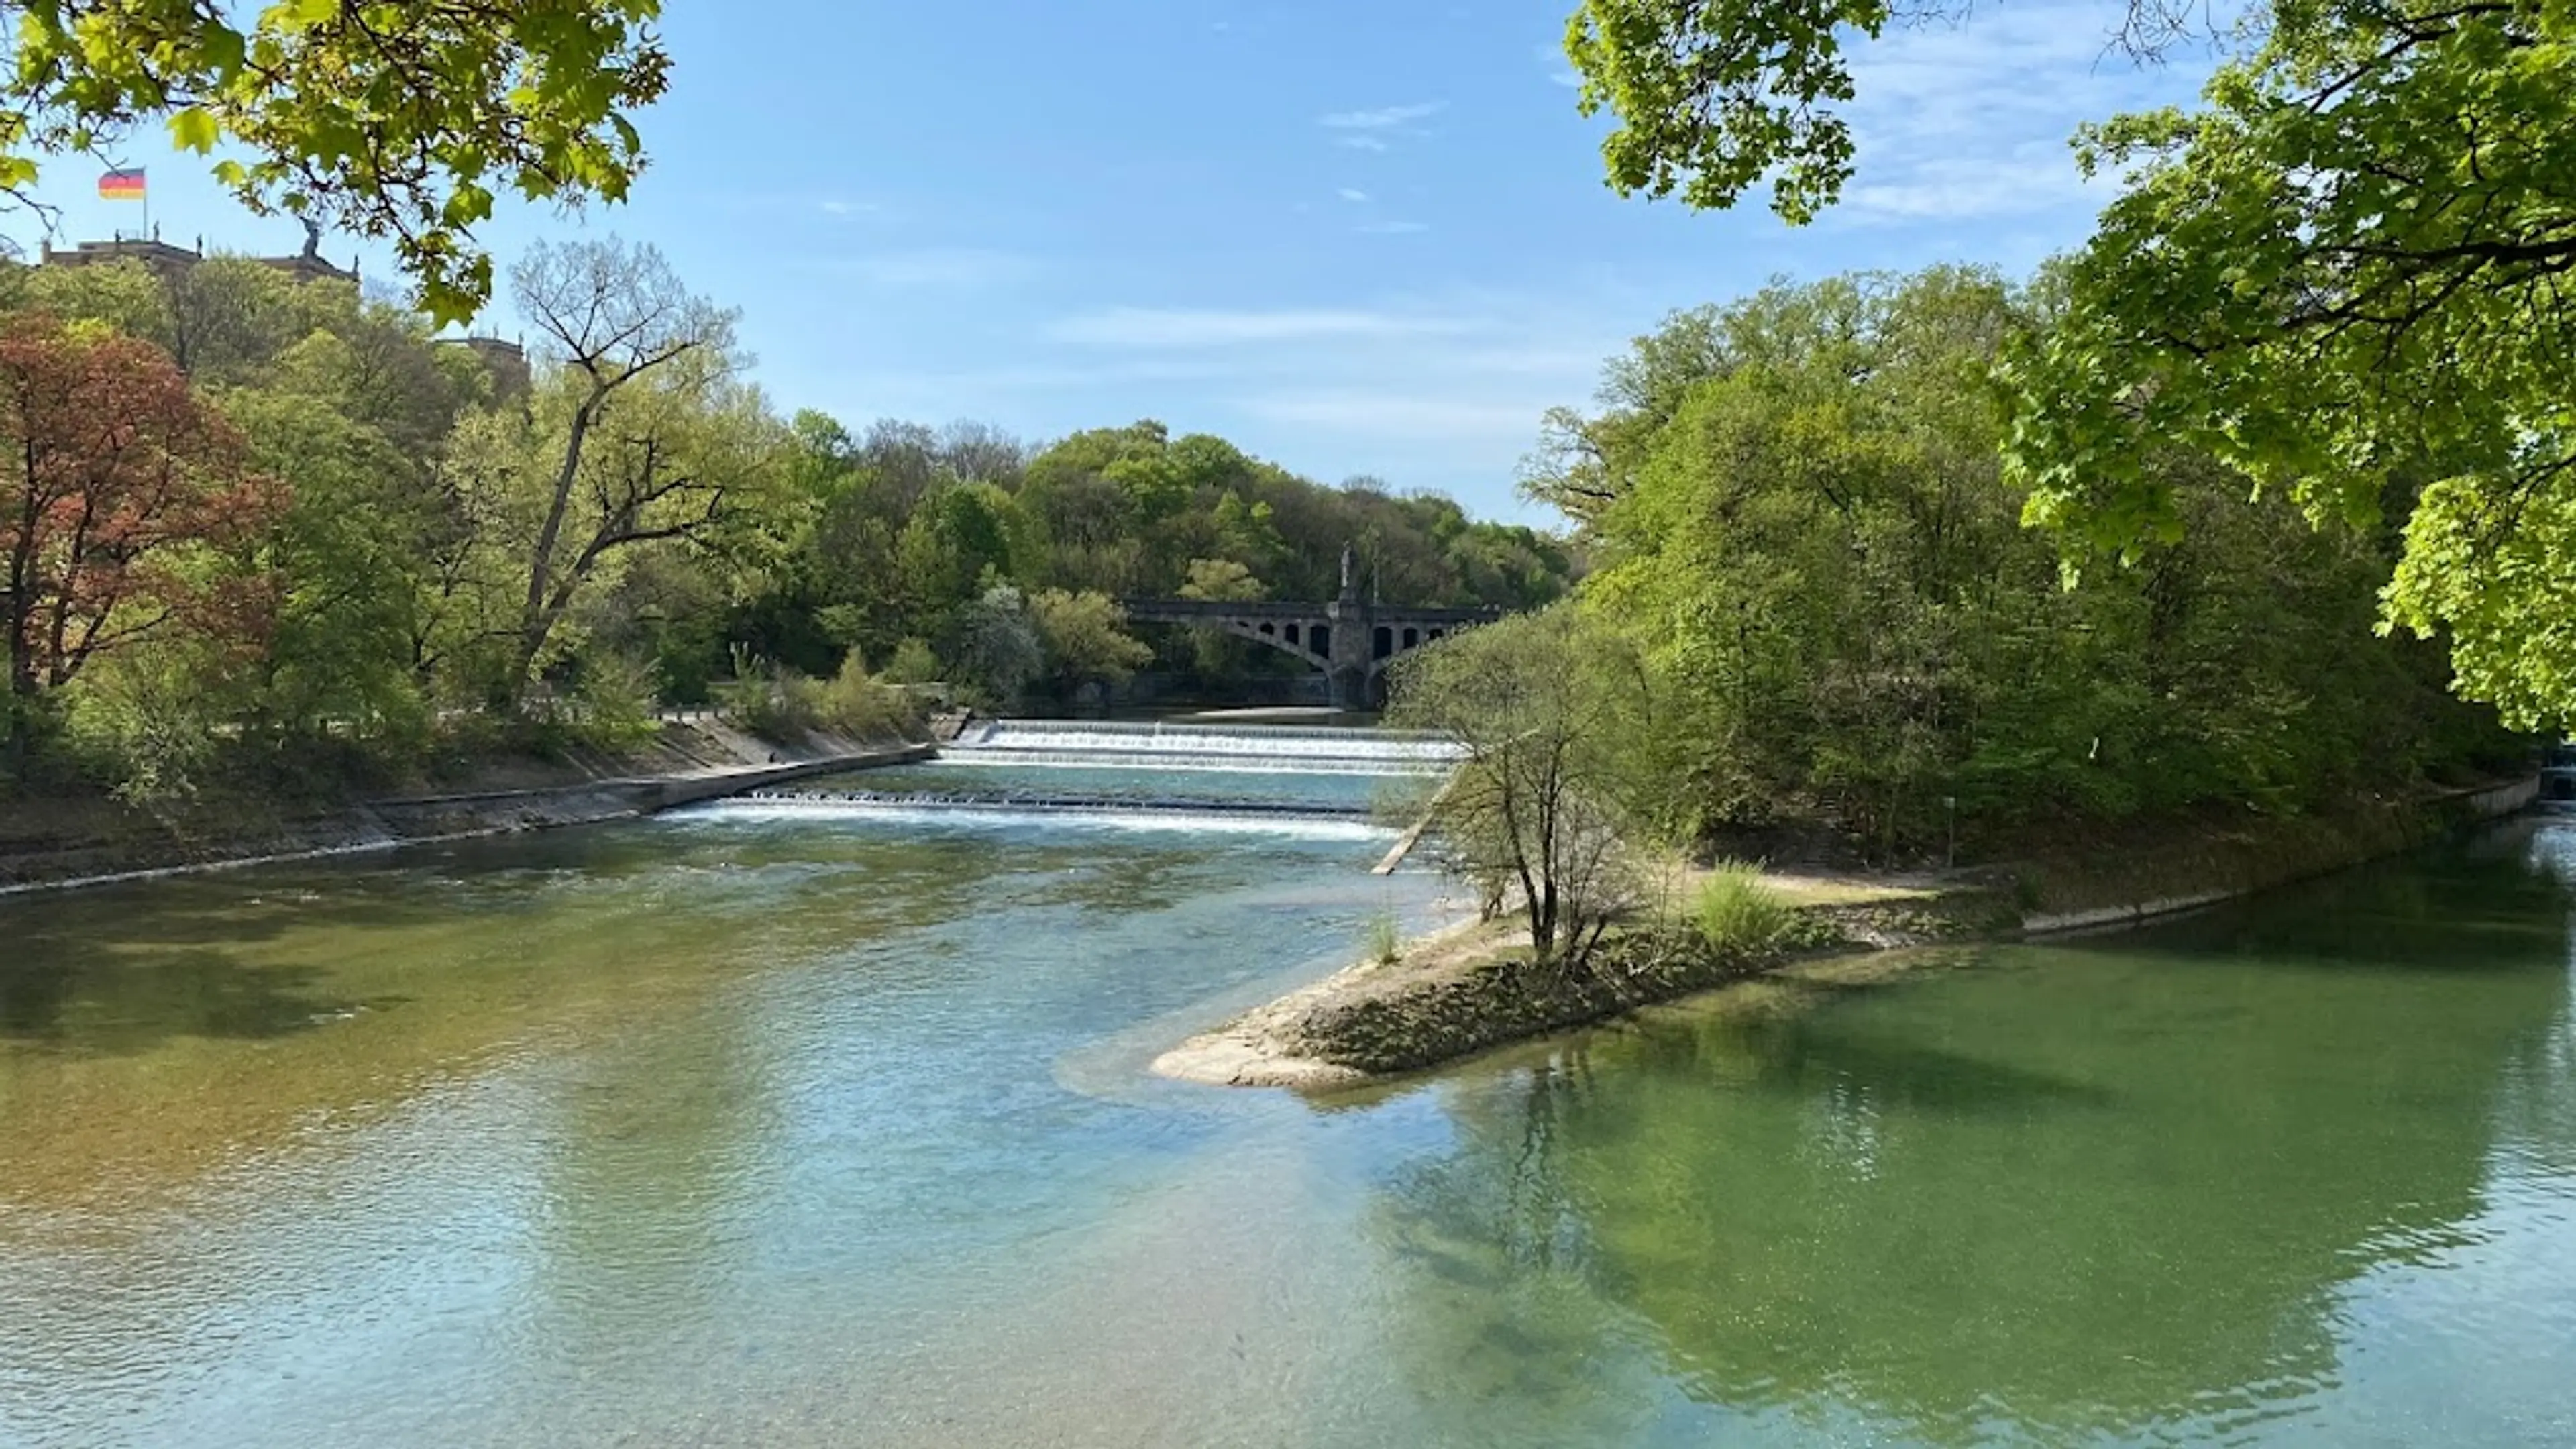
[[121, 496]]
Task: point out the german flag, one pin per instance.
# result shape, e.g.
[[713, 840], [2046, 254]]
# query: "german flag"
[[122, 185]]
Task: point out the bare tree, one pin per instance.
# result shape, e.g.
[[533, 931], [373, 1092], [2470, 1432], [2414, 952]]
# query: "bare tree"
[[617, 324]]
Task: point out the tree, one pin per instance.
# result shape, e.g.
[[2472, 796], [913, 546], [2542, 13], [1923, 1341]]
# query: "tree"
[[1220, 580], [2346, 276], [1714, 95], [2343, 276], [647, 433], [1819, 562], [385, 120], [998, 649], [1538, 704], [1085, 637], [350, 558], [119, 491]]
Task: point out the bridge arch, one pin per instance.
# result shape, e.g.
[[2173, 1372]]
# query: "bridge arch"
[[1349, 642]]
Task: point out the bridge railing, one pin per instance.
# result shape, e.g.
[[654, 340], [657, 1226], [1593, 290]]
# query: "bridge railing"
[[1151, 611]]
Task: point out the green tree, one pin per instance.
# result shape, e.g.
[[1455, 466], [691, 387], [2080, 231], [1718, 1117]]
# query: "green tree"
[[1220, 580], [2341, 276], [1537, 809], [998, 648], [395, 121], [1085, 638], [2345, 276], [1820, 563], [349, 557], [640, 432]]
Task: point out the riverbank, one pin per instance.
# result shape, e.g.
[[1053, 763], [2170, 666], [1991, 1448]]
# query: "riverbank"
[[1471, 987], [59, 843]]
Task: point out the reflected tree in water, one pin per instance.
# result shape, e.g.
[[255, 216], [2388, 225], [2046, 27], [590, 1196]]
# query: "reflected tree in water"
[[2074, 1192]]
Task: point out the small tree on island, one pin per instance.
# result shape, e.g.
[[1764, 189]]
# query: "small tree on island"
[[1537, 810]]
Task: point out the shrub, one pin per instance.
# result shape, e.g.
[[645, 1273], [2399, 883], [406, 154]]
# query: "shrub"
[[774, 706], [1737, 913], [913, 663], [784, 704], [862, 707], [613, 704], [1385, 939]]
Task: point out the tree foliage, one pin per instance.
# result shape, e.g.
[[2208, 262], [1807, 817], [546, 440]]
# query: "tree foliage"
[[1544, 708], [449, 558], [1085, 639], [1814, 549], [1712, 96], [391, 120], [2345, 277], [120, 493], [2341, 276]]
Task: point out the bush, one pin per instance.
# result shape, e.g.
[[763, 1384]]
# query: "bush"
[[913, 663], [1384, 938], [863, 707], [1738, 913], [613, 704], [785, 704], [146, 723], [773, 706]]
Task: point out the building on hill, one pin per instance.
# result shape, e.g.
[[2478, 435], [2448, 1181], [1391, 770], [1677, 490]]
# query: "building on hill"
[[158, 255], [505, 360], [168, 261]]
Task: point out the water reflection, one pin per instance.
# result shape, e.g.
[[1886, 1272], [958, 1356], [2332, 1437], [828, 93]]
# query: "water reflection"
[[734, 1131], [2075, 1192]]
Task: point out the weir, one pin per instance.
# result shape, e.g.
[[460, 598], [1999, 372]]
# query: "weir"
[[1293, 749]]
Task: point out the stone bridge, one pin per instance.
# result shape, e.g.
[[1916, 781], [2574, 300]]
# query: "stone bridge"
[[1350, 640]]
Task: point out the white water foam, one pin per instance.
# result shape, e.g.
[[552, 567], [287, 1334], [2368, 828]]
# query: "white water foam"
[[991, 817], [1299, 749], [1175, 761]]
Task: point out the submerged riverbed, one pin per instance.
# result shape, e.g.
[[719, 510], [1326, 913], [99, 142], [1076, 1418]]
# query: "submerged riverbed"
[[803, 1124]]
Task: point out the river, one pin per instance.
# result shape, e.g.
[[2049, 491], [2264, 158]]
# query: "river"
[[826, 1122]]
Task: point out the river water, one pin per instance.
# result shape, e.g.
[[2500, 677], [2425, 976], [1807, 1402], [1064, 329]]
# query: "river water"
[[826, 1122]]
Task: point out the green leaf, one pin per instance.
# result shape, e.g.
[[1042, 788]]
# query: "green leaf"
[[193, 129]]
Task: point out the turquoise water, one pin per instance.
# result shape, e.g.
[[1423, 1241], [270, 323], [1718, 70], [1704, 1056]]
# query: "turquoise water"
[[748, 1126], [1351, 792]]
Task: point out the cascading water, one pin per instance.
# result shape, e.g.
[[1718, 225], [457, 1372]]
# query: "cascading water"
[[1292, 749], [1309, 781]]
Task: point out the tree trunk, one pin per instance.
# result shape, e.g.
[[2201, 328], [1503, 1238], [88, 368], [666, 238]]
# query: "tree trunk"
[[535, 624]]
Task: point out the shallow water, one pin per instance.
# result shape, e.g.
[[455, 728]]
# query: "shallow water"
[[753, 1127]]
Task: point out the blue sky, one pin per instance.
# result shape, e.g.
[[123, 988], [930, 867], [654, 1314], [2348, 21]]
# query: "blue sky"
[[1354, 237]]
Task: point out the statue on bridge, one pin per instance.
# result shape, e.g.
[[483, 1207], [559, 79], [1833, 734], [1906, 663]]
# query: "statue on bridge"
[[1350, 572]]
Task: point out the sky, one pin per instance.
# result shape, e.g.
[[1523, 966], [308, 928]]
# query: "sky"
[[1356, 237]]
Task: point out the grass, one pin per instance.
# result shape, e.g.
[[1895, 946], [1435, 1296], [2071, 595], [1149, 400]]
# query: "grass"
[[1738, 911], [1384, 939]]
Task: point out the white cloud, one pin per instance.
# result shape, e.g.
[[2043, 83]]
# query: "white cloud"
[[1951, 189], [1970, 120], [1148, 328], [838, 207], [1392, 228], [1413, 417], [1360, 141], [1352, 193], [1552, 57], [1384, 118], [1437, 385]]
